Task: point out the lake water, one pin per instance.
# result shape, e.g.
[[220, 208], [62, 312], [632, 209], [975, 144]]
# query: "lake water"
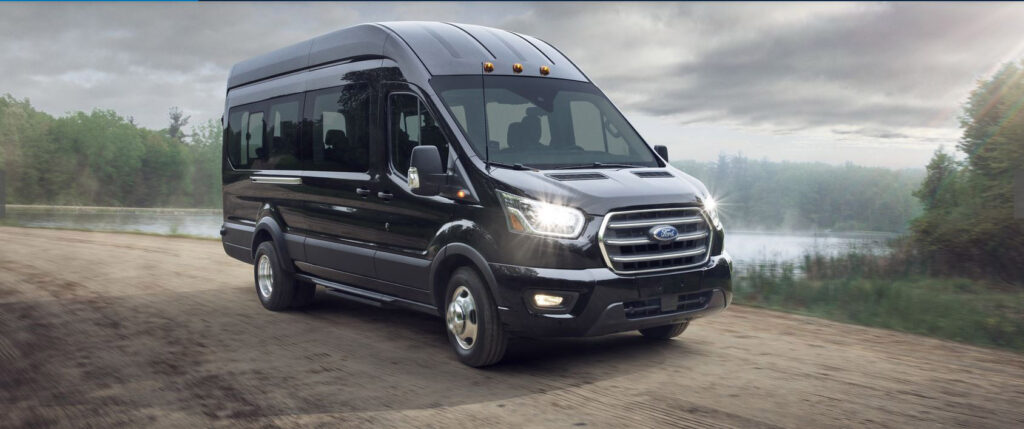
[[747, 248]]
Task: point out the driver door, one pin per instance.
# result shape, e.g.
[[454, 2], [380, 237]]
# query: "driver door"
[[411, 221]]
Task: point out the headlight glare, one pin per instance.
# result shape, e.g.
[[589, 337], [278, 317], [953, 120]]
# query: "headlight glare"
[[711, 208], [539, 218]]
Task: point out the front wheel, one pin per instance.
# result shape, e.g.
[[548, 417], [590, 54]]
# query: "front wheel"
[[471, 316], [665, 332]]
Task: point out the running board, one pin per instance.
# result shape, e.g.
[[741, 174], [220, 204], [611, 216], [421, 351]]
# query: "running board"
[[364, 296]]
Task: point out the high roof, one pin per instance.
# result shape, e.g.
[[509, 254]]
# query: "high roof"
[[442, 48]]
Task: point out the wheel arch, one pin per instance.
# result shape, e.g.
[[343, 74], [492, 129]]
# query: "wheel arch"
[[452, 257], [269, 229]]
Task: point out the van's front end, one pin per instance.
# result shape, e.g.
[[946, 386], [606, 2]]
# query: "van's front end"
[[585, 229]]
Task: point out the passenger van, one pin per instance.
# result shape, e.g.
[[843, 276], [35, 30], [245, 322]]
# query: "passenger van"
[[466, 172]]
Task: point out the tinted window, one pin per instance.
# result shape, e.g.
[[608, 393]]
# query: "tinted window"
[[283, 134], [412, 125], [339, 129], [243, 137]]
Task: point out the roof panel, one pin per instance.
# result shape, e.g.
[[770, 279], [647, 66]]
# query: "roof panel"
[[444, 49]]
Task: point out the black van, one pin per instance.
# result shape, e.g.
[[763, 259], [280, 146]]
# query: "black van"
[[467, 172]]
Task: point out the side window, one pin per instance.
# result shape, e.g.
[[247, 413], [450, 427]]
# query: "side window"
[[411, 125], [339, 120], [244, 137], [283, 134]]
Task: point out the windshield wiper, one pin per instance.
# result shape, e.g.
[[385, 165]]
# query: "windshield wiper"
[[596, 165], [511, 166]]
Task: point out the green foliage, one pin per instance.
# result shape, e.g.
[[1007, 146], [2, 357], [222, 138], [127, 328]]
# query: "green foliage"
[[968, 225], [103, 159], [879, 291], [808, 196]]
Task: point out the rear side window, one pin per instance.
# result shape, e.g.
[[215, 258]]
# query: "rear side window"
[[411, 125], [283, 133], [339, 137], [243, 137]]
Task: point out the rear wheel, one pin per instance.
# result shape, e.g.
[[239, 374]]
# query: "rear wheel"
[[471, 316], [665, 332], [274, 286]]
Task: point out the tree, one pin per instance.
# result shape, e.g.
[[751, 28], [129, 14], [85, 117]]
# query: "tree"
[[938, 190], [178, 123], [968, 221]]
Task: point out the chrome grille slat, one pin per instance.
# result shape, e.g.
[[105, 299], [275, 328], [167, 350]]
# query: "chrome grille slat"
[[694, 252], [636, 241], [627, 246], [665, 221]]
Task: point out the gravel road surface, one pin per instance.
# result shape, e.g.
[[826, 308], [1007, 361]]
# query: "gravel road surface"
[[106, 330]]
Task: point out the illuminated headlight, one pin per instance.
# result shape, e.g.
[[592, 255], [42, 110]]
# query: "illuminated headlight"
[[711, 208], [534, 217]]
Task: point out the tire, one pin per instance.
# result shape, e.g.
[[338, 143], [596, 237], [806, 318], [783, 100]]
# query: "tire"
[[468, 304], [665, 332], [304, 293], [282, 284]]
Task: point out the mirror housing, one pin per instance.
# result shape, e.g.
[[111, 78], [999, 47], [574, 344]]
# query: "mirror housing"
[[426, 175], [662, 152]]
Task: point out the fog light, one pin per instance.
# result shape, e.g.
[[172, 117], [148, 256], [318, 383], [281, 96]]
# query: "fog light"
[[544, 300]]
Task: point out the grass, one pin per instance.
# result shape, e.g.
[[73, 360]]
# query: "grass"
[[854, 289]]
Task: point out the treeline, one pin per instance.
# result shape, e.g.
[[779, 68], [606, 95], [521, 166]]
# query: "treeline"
[[103, 159], [764, 195], [968, 225]]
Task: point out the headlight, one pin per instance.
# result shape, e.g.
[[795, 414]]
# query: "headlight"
[[534, 217], [711, 208]]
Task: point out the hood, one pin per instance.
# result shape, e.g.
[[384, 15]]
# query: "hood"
[[619, 188]]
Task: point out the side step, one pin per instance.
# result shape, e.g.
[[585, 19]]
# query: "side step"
[[364, 296]]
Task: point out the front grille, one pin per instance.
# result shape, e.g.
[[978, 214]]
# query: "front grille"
[[628, 246], [652, 307]]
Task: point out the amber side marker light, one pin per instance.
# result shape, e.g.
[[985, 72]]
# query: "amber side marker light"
[[545, 70], [517, 68], [461, 194], [488, 67]]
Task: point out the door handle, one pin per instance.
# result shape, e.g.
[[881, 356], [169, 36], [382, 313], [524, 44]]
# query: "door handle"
[[362, 192], [385, 195]]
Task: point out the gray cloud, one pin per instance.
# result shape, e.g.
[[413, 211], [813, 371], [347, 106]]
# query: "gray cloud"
[[875, 71]]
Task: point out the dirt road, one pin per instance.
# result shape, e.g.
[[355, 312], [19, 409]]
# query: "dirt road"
[[105, 330]]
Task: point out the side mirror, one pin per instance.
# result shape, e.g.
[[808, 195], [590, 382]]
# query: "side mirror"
[[426, 175], [662, 151]]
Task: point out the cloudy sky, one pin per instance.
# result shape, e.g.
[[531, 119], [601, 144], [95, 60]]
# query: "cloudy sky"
[[869, 83]]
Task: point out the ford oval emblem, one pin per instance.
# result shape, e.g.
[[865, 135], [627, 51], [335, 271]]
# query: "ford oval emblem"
[[663, 232]]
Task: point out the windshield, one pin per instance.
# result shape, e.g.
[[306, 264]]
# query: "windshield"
[[541, 122]]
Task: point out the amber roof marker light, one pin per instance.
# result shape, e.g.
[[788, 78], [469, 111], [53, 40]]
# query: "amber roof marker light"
[[545, 70], [517, 68], [488, 67]]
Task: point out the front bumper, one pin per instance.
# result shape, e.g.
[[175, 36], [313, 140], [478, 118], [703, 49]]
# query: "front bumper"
[[606, 302]]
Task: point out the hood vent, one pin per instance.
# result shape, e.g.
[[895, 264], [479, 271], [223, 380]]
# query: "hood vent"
[[576, 176], [653, 174]]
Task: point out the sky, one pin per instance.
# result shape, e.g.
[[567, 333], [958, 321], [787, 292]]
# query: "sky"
[[868, 83]]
